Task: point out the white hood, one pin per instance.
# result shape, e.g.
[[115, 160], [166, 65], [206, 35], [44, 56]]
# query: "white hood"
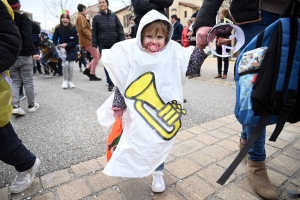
[[151, 16]]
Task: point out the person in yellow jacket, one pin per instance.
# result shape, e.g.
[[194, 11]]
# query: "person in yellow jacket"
[[12, 150]]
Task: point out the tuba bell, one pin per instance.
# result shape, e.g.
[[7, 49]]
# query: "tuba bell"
[[143, 91]]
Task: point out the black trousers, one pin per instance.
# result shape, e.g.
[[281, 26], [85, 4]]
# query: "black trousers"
[[226, 60], [12, 150]]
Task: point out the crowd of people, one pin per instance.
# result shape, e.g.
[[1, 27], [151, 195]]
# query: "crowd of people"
[[152, 39]]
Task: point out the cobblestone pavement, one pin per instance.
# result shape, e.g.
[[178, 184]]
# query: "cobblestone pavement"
[[202, 151]]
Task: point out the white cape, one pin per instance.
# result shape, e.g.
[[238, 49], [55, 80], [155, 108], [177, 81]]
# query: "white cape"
[[142, 148]]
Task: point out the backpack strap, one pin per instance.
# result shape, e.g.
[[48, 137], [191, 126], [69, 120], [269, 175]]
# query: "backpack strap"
[[289, 90], [262, 123]]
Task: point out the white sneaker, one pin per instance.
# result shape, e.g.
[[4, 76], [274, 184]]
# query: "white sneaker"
[[24, 179], [64, 84], [158, 183], [71, 84], [34, 108], [18, 111]]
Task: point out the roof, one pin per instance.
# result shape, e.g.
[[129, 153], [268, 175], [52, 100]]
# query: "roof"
[[189, 5]]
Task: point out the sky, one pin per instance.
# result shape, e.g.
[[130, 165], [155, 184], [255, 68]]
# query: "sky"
[[36, 7]]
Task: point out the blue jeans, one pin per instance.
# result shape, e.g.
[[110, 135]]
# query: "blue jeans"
[[108, 80], [257, 152], [160, 167]]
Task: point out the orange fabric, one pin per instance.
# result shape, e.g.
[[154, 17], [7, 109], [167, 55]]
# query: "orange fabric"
[[113, 137]]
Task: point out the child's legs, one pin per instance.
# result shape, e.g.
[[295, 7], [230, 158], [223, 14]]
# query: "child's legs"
[[160, 167], [15, 75], [71, 65], [65, 65], [27, 78]]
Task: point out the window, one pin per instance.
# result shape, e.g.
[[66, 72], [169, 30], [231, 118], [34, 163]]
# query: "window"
[[185, 14], [126, 20]]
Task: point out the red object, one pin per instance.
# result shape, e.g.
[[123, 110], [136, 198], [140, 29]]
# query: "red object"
[[184, 40], [254, 78], [113, 138]]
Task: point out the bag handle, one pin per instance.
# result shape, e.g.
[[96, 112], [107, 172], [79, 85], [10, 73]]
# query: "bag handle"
[[288, 9]]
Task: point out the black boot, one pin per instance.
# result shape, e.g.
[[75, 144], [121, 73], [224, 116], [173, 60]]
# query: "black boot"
[[94, 78], [87, 72], [111, 87]]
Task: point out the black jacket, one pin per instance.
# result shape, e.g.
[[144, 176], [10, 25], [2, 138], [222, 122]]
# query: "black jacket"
[[69, 37], [242, 11], [177, 31], [141, 7], [107, 30], [24, 25], [36, 30], [10, 39]]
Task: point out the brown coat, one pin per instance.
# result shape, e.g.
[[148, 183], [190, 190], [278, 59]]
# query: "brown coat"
[[84, 30]]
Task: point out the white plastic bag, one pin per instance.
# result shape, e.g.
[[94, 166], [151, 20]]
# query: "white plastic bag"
[[61, 52]]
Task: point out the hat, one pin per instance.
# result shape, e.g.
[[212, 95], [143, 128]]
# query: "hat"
[[194, 15], [14, 3]]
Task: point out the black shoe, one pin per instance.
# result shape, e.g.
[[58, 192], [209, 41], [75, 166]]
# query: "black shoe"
[[184, 100], [40, 71], [87, 72], [111, 87], [94, 78], [54, 74]]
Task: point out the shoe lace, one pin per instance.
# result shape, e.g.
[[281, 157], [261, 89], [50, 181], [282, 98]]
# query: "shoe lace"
[[157, 178]]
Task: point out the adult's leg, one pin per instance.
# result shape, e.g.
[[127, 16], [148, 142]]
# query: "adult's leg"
[[226, 64], [219, 51], [96, 56], [27, 77], [108, 80]]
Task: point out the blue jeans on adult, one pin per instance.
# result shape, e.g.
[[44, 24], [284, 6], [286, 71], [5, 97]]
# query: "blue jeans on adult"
[[257, 151], [108, 80]]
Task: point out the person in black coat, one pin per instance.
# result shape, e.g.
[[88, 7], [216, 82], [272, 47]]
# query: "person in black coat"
[[106, 31], [177, 29], [141, 7], [68, 40], [12, 150], [35, 34]]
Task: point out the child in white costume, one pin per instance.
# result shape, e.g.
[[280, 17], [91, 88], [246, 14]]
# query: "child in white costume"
[[149, 72]]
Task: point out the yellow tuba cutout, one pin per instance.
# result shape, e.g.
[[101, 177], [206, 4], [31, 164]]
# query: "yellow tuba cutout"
[[143, 91]]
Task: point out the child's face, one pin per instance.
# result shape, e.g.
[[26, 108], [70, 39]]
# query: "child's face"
[[154, 43], [65, 21]]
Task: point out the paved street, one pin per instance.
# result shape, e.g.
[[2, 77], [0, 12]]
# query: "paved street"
[[65, 135]]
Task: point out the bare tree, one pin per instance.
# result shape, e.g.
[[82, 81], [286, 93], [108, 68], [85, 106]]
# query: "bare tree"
[[53, 8]]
